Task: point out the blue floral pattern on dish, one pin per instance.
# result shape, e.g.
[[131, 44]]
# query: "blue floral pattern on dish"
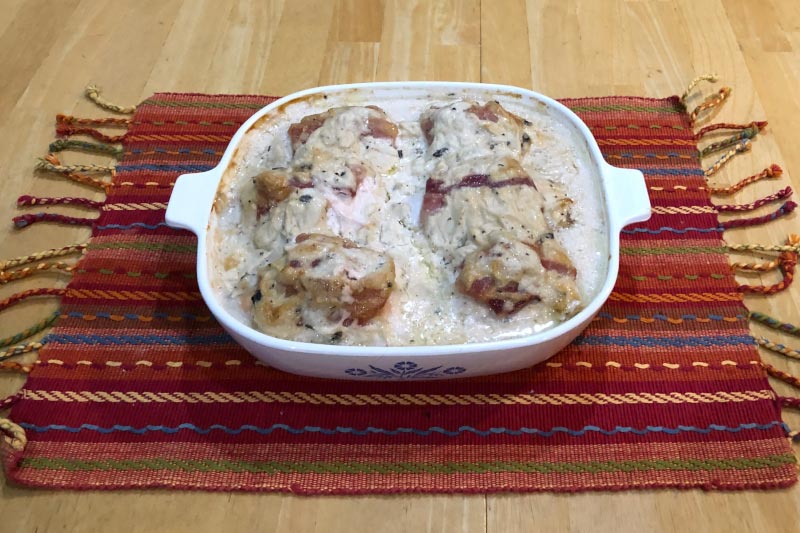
[[405, 370]]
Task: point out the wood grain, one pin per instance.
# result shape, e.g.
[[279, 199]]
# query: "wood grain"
[[49, 50]]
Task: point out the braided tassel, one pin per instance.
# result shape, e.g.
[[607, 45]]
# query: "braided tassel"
[[14, 366], [757, 267], [14, 434], [7, 276], [93, 94], [713, 78], [23, 221], [774, 323], [778, 348], [788, 262], [711, 102], [780, 195], [5, 403], [773, 171], [47, 254], [765, 248], [31, 331], [24, 295], [95, 148], [740, 148], [789, 402], [27, 201], [21, 349], [107, 121], [52, 164], [746, 133], [782, 211], [760, 124], [46, 163], [66, 131], [781, 375]]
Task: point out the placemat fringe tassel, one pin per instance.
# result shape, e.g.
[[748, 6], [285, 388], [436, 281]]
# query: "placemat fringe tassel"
[[110, 122], [785, 401], [742, 147], [21, 349], [778, 348], [84, 146], [746, 133], [738, 143], [13, 435], [14, 366], [788, 401], [28, 201], [782, 211], [23, 221], [714, 101], [51, 163], [47, 163], [14, 299], [780, 195], [93, 94], [771, 172], [7, 276], [713, 78], [722, 127], [46, 254], [774, 323], [786, 262], [31, 331]]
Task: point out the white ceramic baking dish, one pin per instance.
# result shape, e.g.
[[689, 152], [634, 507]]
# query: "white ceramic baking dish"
[[190, 206]]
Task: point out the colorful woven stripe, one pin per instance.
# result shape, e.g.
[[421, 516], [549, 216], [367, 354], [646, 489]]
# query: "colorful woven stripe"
[[139, 387]]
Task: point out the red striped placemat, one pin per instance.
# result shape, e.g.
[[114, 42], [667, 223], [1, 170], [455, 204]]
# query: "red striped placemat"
[[137, 386]]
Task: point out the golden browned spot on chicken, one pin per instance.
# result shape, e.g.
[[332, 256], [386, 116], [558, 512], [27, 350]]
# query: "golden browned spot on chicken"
[[274, 186], [326, 275]]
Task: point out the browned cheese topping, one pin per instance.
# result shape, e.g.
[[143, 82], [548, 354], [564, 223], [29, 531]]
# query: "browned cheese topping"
[[486, 214]]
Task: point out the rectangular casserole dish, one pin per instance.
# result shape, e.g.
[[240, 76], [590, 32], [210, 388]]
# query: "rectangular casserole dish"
[[625, 200]]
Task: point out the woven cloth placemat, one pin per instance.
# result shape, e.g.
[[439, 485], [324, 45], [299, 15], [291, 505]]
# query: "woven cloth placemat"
[[138, 386]]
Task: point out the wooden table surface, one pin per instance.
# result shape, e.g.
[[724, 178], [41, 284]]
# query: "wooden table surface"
[[49, 51]]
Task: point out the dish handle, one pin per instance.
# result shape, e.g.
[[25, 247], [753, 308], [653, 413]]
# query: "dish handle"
[[628, 199], [191, 199]]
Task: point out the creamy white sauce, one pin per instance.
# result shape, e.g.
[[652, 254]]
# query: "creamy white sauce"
[[424, 308]]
